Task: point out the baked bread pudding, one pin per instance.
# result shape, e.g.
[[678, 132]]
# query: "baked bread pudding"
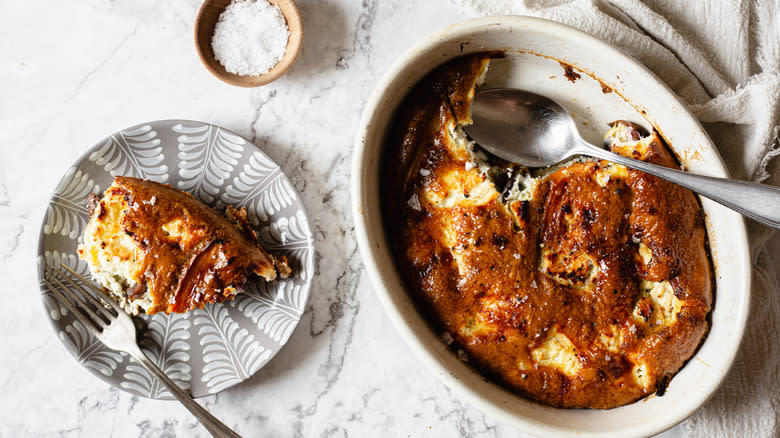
[[159, 249], [584, 285]]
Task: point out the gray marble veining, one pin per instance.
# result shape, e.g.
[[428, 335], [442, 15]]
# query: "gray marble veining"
[[72, 73]]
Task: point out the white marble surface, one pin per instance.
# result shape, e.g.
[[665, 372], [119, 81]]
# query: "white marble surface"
[[73, 72]]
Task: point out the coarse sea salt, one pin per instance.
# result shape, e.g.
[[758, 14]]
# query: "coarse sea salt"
[[250, 37]]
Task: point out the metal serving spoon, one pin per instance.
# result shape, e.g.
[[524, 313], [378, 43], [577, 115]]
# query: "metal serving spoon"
[[532, 130]]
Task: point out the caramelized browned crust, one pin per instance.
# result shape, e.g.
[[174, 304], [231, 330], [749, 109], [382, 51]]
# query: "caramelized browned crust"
[[205, 262], [591, 293]]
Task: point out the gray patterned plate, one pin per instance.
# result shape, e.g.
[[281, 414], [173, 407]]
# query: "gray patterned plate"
[[207, 350]]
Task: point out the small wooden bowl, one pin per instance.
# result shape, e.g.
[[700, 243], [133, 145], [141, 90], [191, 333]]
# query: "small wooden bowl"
[[206, 20]]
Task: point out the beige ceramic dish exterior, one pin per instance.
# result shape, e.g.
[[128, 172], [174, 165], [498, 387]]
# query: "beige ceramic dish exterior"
[[592, 108], [206, 21]]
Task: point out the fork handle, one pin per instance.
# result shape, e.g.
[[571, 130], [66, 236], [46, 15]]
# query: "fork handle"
[[210, 422]]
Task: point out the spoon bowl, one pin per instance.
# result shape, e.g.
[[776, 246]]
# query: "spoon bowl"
[[524, 39], [532, 130], [522, 127], [206, 21]]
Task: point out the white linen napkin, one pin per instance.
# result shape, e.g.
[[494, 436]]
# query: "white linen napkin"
[[723, 58]]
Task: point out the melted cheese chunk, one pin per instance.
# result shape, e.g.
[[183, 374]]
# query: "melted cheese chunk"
[[459, 145], [611, 339], [523, 188], [177, 231], [476, 326], [113, 256], [657, 305], [663, 296], [609, 171], [641, 375], [461, 187], [575, 270], [625, 141], [174, 229], [645, 254], [558, 352], [479, 325]]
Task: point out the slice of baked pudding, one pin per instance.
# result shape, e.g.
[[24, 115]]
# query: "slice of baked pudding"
[[159, 249]]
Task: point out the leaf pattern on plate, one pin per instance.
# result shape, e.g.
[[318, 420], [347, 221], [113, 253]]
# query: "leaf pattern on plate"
[[135, 152], [275, 307], [230, 353], [290, 237], [54, 307], [287, 232], [66, 215], [166, 342], [89, 350], [261, 188], [207, 156], [71, 260]]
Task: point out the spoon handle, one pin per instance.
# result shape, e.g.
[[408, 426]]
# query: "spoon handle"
[[759, 202]]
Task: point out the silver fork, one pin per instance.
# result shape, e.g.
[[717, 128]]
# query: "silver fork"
[[115, 328]]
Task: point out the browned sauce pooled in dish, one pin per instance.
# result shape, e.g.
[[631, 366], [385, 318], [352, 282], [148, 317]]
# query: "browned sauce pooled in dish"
[[586, 285], [159, 249]]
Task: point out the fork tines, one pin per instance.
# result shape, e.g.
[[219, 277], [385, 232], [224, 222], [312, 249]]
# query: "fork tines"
[[88, 309]]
